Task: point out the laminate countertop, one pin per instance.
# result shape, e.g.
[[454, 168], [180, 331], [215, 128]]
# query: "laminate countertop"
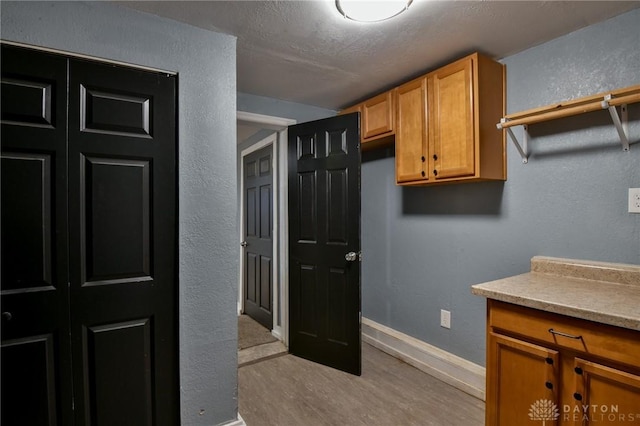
[[603, 292]]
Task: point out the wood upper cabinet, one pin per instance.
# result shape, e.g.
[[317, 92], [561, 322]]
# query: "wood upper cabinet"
[[411, 159], [452, 125], [443, 123], [461, 104], [378, 115], [552, 367], [377, 119]]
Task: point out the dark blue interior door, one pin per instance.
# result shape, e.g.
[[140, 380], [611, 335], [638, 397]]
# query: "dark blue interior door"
[[258, 238], [324, 241]]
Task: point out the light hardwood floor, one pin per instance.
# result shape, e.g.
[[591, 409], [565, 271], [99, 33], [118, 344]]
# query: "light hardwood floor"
[[291, 391]]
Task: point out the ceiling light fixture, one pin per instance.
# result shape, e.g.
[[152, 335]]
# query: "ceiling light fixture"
[[371, 10]]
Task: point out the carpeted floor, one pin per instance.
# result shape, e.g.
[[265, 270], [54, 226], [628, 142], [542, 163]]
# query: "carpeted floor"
[[250, 333]]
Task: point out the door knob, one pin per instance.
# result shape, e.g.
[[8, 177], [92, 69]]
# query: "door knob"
[[244, 244], [352, 256]]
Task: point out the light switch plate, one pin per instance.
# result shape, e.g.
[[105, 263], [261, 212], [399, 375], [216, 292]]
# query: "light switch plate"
[[445, 318]]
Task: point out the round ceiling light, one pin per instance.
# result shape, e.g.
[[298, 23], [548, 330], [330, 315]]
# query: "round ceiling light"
[[371, 10]]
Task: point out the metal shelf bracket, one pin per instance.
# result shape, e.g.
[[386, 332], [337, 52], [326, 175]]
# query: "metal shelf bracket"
[[522, 149], [620, 121], [621, 124]]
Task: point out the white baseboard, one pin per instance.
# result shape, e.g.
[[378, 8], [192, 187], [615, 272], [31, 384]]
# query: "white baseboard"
[[276, 332], [239, 422], [445, 366]]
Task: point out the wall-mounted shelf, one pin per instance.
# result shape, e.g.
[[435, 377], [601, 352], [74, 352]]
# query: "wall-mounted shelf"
[[607, 100]]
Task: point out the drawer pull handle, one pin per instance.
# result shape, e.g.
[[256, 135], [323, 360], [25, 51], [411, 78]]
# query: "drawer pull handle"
[[559, 333]]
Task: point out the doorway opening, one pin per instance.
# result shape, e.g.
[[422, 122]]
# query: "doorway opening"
[[266, 134]]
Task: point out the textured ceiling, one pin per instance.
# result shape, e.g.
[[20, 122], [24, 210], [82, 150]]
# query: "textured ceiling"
[[304, 51]]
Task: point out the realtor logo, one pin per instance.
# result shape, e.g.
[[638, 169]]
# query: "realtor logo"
[[543, 410]]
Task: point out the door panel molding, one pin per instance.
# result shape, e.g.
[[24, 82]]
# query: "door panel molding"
[[31, 365], [125, 348], [33, 106], [27, 202], [98, 215]]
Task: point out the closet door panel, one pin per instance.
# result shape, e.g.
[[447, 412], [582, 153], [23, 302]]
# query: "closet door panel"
[[122, 179], [36, 357]]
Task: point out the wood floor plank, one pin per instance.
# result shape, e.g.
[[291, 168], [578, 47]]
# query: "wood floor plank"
[[292, 391]]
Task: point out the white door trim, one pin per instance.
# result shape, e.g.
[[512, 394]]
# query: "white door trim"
[[280, 216]]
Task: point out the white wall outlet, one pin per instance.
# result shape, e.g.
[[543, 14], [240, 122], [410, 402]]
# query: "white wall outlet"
[[634, 200], [445, 318]]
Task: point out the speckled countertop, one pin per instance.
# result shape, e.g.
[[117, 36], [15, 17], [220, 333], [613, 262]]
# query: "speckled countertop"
[[604, 292]]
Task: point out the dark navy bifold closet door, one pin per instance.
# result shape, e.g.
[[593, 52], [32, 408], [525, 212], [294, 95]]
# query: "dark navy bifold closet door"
[[36, 358], [89, 228], [122, 207]]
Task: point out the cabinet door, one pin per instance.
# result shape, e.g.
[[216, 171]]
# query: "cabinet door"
[[411, 136], [377, 115], [522, 383], [603, 395], [451, 117]]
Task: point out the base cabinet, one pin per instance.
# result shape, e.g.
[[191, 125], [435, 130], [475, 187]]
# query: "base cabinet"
[[528, 373], [612, 395], [565, 371]]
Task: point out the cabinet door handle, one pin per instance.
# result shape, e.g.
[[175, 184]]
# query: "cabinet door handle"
[[435, 157], [423, 159], [423, 173], [559, 333], [435, 172], [549, 385], [578, 370], [577, 396]]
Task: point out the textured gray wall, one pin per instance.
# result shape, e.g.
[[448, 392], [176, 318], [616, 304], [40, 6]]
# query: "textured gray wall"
[[424, 247], [208, 265], [279, 108], [275, 108]]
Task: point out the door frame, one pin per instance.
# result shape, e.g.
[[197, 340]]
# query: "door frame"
[[278, 141]]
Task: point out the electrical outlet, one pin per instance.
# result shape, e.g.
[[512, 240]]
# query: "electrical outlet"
[[634, 200], [445, 318]]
